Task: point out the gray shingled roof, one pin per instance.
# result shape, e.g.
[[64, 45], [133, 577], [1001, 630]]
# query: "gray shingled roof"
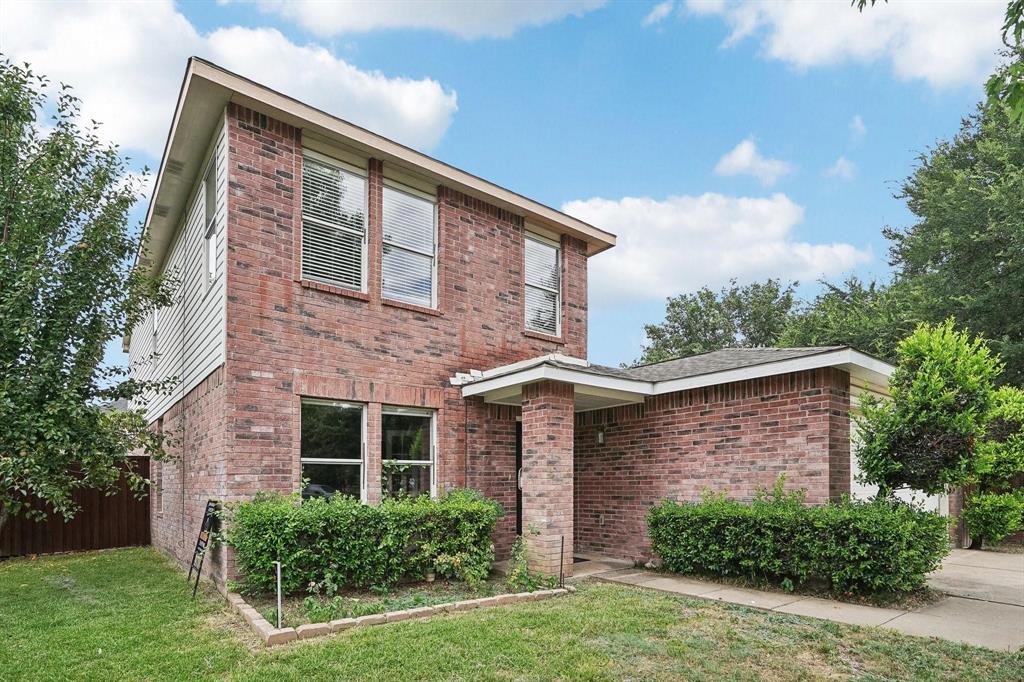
[[693, 365], [721, 361]]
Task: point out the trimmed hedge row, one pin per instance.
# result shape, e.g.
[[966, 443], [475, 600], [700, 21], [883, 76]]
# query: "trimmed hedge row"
[[343, 543], [855, 547]]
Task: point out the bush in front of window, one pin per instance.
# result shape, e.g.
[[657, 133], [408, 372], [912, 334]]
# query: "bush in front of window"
[[879, 547], [342, 542]]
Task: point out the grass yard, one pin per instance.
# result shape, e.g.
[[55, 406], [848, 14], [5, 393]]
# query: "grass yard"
[[126, 615]]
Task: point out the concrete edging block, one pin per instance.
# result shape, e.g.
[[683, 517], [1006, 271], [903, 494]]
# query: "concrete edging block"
[[272, 636]]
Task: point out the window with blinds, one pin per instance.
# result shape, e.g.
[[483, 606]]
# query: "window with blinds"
[[333, 223], [409, 262], [543, 285]]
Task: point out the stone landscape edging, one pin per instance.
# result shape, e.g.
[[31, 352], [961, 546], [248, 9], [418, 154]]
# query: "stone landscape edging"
[[272, 636]]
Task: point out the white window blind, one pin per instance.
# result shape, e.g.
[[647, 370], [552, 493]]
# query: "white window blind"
[[409, 259], [333, 224], [543, 286]]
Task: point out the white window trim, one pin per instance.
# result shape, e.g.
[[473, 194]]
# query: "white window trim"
[[156, 330], [540, 239], [413, 192], [432, 462], [355, 170], [362, 441]]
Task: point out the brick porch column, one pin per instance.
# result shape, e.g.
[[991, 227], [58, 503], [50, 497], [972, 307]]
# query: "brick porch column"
[[547, 474]]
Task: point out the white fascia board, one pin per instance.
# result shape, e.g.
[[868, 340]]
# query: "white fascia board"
[[845, 357], [476, 375], [568, 376]]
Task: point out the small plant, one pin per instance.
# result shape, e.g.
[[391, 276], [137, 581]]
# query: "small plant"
[[520, 577]]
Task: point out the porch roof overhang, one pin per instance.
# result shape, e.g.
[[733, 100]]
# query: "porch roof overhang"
[[598, 387]]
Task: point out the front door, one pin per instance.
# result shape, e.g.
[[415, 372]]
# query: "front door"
[[519, 478]]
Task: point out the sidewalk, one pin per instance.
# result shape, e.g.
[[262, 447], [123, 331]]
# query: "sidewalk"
[[990, 624]]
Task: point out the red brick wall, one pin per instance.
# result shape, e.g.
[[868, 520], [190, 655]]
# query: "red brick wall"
[[193, 473], [548, 476], [286, 339], [732, 438], [491, 463]]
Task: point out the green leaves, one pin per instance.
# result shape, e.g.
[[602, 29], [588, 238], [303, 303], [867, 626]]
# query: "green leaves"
[[941, 395], [748, 316], [877, 547], [343, 542], [67, 289]]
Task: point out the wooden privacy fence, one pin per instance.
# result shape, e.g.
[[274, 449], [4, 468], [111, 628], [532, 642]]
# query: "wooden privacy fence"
[[118, 520]]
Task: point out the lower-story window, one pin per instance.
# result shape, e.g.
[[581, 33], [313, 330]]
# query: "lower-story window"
[[332, 448], [407, 452]]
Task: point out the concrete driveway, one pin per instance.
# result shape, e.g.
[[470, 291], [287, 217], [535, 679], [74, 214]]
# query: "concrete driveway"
[[985, 606], [990, 576]]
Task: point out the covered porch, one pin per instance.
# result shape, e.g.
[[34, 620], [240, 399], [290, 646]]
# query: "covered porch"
[[577, 453]]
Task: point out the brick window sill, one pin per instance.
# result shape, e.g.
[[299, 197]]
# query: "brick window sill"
[[332, 289], [412, 306], [544, 337]]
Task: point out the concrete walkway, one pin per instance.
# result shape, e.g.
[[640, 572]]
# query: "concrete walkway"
[[984, 606]]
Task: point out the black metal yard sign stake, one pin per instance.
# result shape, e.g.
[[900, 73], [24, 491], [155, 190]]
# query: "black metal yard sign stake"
[[208, 527]]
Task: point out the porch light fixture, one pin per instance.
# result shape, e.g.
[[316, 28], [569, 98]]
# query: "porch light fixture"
[[600, 437]]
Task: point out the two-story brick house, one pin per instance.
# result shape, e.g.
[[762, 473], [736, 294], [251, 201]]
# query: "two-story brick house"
[[357, 314]]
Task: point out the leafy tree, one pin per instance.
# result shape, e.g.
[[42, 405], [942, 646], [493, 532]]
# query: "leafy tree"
[[924, 436], [871, 317], [67, 288], [967, 247], [749, 316], [994, 507]]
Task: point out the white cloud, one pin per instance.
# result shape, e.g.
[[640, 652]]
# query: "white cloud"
[[946, 46], [857, 128], [468, 20], [843, 169], [659, 13], [126, 60], [686, 242], [744, 159]]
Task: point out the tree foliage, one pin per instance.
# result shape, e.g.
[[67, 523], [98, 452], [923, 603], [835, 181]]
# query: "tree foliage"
[[994, 505], [734, 317], [67, 288], [871, 317], [924, 435], [967, 247]]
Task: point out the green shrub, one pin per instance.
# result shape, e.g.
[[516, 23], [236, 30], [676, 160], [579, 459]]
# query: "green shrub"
[[340, 542], [993, 516], [857, 547]]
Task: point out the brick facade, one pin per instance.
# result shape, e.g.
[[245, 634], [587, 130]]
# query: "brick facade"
[[238, 432], [288, 338], [729, 438], [548, 476]]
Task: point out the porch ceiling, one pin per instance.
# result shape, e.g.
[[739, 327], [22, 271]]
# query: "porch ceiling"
[[587, 397]]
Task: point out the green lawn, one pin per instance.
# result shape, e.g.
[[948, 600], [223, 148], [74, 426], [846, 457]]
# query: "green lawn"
[[127, 615]]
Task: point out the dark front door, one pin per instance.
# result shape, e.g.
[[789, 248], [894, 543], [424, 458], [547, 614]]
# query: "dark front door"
[[519, 478]]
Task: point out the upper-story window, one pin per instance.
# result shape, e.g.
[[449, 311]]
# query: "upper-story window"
[[409, 262], [333, 222], [543, 285], [210, 220]]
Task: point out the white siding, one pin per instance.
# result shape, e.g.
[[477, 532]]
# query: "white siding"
[[192, 330]]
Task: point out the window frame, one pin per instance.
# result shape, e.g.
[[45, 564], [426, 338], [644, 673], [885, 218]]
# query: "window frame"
[[557, 291], [210, 271], [156, 330], [396, 186], [430, 462], [364, 175], [347, 405]]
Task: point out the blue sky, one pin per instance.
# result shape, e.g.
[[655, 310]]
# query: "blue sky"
[[717, 139]]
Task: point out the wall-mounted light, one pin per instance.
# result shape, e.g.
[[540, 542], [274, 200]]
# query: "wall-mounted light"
[[600, 437]]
